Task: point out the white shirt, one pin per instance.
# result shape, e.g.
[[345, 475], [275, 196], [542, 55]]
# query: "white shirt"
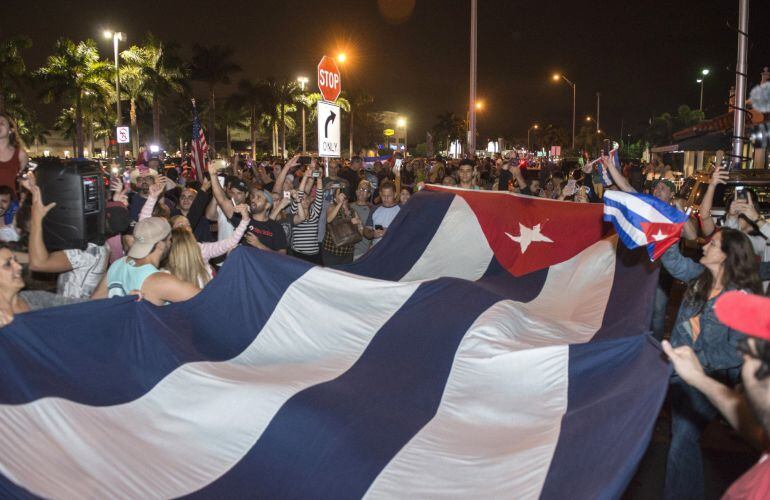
[[88, 268], [224, 228]]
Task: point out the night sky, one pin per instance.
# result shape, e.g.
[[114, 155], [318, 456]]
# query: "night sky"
[[644, 57]]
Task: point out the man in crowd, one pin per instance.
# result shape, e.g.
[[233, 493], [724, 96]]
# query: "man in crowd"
[[382, 215], [466, 173], [140, 271], [142, 178], [222, 205], [262, 232], [192, 204]]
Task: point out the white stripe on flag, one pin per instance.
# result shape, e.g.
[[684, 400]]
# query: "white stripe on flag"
[[635, 234], [637, 205], [459, 248], [175, 440], [499, 420]]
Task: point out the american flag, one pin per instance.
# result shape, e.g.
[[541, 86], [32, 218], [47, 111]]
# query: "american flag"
[[199, 146]]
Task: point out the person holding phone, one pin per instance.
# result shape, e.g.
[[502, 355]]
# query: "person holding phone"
[[382, 215]]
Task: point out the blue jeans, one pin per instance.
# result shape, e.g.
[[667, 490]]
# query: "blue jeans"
[[691, 412], [659, 304]]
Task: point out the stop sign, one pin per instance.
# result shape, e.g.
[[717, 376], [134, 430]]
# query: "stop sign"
[[329, 81]]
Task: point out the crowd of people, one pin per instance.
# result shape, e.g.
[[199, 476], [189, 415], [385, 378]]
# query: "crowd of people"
[[170, 229]]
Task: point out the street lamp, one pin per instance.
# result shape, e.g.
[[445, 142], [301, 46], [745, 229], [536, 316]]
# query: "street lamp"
[[401, 122], [556, 77], [533, 127], [117, 36], [302, 80], [342, 57], [705, 73], [588, 118]]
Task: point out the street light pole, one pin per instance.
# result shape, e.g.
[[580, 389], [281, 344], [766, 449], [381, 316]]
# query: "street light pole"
[[598, 102], [117, 37], [701, 81], [472, 97], [402, 123], [558, 77], [535, 126]]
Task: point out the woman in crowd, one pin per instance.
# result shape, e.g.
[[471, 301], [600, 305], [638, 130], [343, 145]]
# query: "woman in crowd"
[[306, 207], [188, 259], [728, 263], [13, 298], [12, 152], [404, 195], [338, 210]]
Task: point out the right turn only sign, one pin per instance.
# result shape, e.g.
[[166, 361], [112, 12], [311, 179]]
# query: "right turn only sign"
[[328, 130]]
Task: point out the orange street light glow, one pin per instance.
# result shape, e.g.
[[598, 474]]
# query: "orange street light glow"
[[342, 57]]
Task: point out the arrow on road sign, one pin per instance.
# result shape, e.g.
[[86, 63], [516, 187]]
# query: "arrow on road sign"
[[330, 118]]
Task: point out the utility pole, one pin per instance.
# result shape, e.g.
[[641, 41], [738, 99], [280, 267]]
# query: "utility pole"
[[739, 122], [598, 101], [472, 98]]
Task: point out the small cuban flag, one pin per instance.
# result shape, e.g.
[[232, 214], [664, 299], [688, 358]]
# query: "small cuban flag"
[[643, 220]]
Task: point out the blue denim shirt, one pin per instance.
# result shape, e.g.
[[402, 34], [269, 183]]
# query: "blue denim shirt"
[[716, 346]]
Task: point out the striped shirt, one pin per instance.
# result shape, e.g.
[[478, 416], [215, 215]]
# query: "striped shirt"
[[304, 236]]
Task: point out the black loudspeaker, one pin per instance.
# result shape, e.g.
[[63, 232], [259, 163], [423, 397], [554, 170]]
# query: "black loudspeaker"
[[77, 187]]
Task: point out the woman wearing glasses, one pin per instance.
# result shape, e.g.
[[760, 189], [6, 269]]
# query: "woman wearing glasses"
[[362, 206], [728, 263]]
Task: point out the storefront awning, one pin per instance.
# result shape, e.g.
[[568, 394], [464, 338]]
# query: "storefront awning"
[[713, 141]]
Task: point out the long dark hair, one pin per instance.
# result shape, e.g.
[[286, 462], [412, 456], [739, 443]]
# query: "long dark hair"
[[741, 269], [13, 137]]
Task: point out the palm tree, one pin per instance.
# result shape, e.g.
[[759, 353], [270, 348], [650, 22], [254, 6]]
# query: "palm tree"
[[288, 93], [311, 102], [272, 106], [32, 131], [252, 96], [358, 100], [163, 74], [12, 67], [133, 82], [448, 126], [65, 123], [70, 71], [213, 65], [233, 116]]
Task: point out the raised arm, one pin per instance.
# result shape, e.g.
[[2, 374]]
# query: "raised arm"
[[217, 248], [679, 266], [732, 405], [39, 258], [219, 193], [278, 186], [617, 175], [719, 176], [155, 191]]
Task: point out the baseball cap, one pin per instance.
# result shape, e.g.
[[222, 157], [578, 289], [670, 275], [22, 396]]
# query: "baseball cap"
[[745, 312], [239, 184], [668, 184], [147, 233]]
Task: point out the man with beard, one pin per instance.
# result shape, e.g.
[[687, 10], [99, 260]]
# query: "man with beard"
[[263, 232], [142, 178], [192, 205], [139, 271], [748, 412]]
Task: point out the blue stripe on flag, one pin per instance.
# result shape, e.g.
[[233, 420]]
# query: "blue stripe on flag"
[[334, 439], [408, 237], [118, 352], [616, 389]]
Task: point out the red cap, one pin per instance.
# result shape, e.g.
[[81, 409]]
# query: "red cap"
[[745, 312]]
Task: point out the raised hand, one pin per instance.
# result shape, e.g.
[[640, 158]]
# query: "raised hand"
[[242, 209], [719, 176], [685, 362], [158, 188], [38, 209]]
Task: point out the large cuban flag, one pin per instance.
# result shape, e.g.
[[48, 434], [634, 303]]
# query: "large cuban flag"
[[491, 346]]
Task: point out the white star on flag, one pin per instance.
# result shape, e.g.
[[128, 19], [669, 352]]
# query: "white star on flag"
[[527, 236], [659, 236]]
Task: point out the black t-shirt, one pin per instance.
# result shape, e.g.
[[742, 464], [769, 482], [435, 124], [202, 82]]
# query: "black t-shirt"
[[270, 233], [505, 177]]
